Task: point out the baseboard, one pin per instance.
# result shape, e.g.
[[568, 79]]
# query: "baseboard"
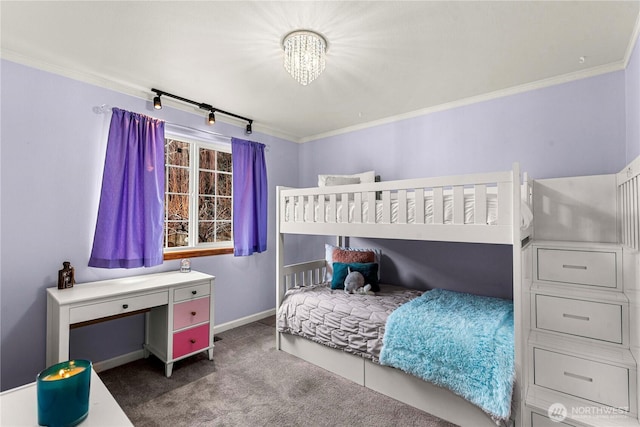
[[118, 360], [243, 321], [139, 354]]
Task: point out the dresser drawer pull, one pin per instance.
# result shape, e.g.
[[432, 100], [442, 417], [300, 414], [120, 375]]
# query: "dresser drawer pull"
[[125, 306], [578, 377], [575, 267], [573, 316], [195, 292], [193, 341], [193, 313]]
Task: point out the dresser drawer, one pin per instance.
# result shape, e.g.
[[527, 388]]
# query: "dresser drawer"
[[190, 340], [115, 307], [577, 267], [190, 313], [587, 379], [190, 292], [600, 321]]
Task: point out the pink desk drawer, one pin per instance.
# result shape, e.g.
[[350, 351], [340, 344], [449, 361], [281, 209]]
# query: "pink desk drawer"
[[190, 313], [190, 340]]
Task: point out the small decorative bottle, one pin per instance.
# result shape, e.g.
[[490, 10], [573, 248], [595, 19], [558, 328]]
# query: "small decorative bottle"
[[185, 265], [66, 276]]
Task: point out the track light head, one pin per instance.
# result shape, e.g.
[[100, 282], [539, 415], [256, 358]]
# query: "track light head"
[[212, 117], [157, 103], [249, 131]]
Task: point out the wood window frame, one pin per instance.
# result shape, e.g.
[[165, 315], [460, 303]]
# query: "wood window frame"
[[196, 251]]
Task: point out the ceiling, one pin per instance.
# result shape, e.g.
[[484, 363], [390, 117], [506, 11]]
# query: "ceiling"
[[386, 59]]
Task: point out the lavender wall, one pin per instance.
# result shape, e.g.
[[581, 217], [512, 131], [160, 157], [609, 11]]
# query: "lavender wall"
[[53, 148], [577, 128], [475, 268], [632, 79], [573, 129]]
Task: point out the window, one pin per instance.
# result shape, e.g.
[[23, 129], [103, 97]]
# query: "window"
[[198, 198]]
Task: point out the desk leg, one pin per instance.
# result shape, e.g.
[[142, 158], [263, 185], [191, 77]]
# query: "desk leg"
[[145, 351], [57, 333], [168, 369], [210, 353]]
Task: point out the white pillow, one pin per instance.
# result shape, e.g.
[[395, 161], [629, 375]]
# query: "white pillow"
[[340, 180], [365, 177]]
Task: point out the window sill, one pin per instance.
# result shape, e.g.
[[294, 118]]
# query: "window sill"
[[194, 253]]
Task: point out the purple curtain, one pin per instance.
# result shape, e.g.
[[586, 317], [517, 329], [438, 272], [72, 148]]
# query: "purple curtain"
[[249, 197], [129, 228]]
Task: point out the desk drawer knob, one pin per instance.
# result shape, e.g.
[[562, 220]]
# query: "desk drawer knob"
[[194, 292], [125, 306], [193, 313], [193, 341]]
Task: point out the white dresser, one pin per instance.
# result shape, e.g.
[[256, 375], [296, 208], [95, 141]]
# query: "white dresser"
[[178, 309], [580, 371]]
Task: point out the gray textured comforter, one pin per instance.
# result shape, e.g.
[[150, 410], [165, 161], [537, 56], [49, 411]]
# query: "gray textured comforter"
[[350, 322]]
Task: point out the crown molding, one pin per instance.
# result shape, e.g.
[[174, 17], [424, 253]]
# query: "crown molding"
[[632, 42], [540, 84]]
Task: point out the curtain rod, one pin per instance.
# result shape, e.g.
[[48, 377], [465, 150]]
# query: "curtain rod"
[[219, 135], [179, 126], [104, 108]]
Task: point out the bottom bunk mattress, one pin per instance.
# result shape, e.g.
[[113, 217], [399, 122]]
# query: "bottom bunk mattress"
[[459, 341], [354, 323], [455, 340]]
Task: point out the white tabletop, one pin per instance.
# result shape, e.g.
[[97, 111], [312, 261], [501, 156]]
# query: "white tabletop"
[[19, 407], [124, 285]]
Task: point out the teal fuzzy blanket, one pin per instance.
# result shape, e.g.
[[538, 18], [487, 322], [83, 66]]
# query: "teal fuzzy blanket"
[[459, 341]]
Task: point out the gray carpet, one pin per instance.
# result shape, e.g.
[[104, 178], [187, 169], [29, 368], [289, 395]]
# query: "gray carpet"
[[249, 383]]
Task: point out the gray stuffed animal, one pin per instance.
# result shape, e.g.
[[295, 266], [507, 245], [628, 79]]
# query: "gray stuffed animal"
[[354, 283]]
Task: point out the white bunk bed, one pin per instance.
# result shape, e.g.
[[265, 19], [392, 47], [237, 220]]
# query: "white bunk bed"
[[480, 208]]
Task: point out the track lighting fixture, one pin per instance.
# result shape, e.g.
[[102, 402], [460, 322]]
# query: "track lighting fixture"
[[157, 104]]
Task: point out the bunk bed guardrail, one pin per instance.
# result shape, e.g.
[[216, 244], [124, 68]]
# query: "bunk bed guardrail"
[[629, 204], [465, 208]]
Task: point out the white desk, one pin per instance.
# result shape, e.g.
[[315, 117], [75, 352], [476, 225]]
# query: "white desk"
[[19, 407], [178, 309]]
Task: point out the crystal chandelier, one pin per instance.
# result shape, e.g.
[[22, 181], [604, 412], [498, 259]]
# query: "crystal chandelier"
[[304, 53]]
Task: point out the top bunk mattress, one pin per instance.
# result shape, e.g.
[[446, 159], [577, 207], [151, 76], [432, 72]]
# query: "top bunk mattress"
[[312, 211]]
